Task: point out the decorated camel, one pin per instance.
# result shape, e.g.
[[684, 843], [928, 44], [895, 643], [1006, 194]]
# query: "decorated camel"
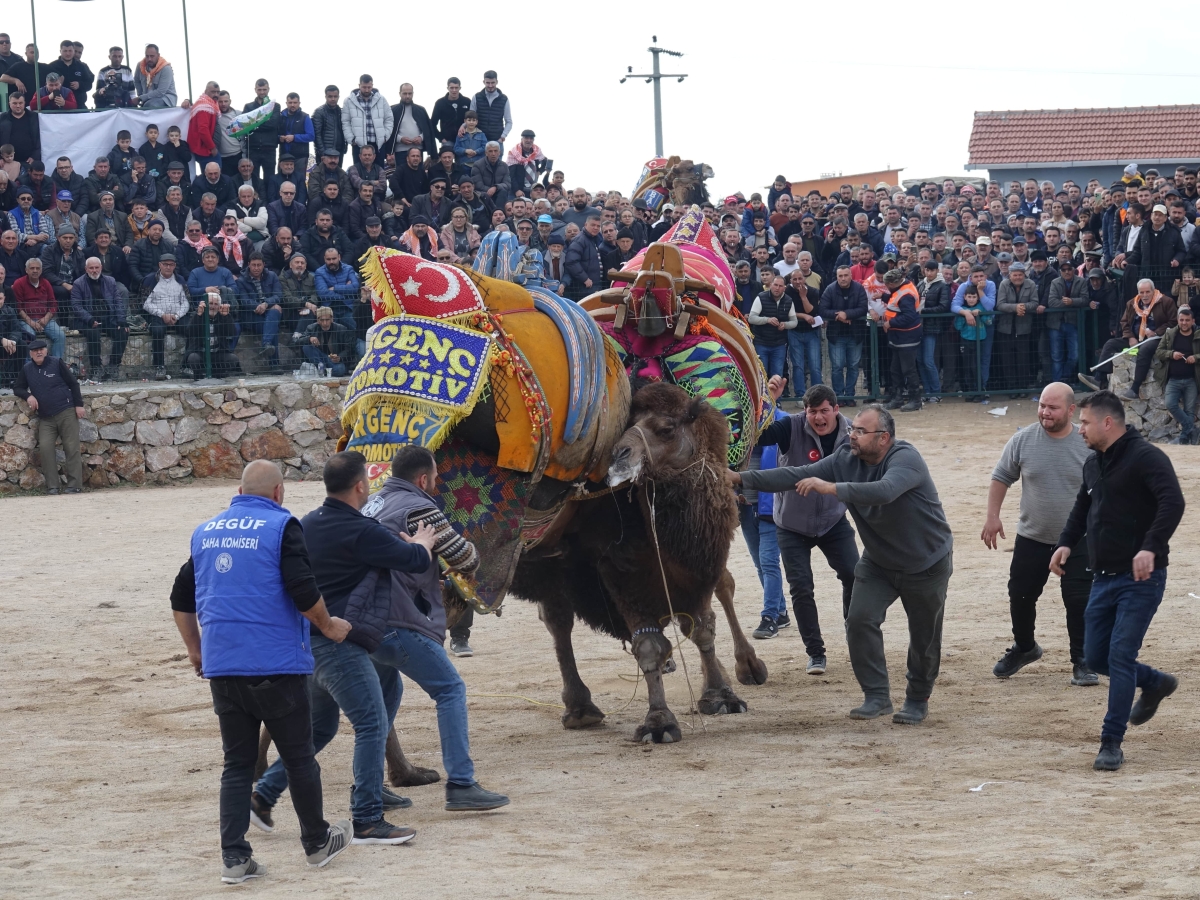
[[558, 426]]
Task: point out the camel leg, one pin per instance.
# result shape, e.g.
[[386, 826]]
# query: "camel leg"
[[650, 649], [718, 697], [580, 711], [264, 743], [750, 669], [402, 773]]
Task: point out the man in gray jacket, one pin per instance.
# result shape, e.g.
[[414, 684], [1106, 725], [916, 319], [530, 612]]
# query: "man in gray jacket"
[[907, 553], [417, 620], [803, 523]]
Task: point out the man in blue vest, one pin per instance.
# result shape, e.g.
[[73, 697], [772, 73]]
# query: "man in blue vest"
[[347, 551], [247, 589], [416, 619]]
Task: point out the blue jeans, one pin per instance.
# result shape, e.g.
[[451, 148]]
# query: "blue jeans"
[[768, 569], [804, 351], [1118, 614], [53, 333], [1064, 351], [316, 357], [773, 358], [1181, 389], [927, 363], [267, 324], [346, 678], [845, 353], [425, 662]]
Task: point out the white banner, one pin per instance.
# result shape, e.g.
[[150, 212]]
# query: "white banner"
[[84, 136]]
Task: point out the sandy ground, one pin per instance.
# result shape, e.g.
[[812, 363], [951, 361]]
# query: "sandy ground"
[[111, 756]]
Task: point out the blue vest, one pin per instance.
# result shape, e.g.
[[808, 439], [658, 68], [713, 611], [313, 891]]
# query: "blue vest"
[[248, 622]]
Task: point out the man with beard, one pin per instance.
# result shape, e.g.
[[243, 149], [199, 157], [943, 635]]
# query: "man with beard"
[[420, 239], [323, 236], [492, 177], [1048, 457], [410, 128]]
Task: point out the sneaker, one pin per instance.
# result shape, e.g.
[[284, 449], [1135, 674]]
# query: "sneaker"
[[986, 398], [260, 813], [1089, 382], [912, 713], [911, 406], [1127, 394], [337, 841], [816, 665], [460, 647], [466, 797], [933, 399], [52, 492], [1147, 704], [1015, 659], [1111, 756], [160, 373], [766, 629], [392, 800], [381, 832], [74, 491], [782, 621], [235, 871], [1082, 676]]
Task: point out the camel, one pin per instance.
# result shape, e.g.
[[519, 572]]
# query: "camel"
[[666, 526]]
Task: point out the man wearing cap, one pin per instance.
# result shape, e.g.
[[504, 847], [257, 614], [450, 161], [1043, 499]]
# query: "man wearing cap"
[[62, 263], [983, 256], [434, 205], [1159, 251], [167, 306], [60, 214], [902, 322], [97, 309], [143, 260], [1016, 303], [31, 225], [50, 388], [420, 239], [525, 162], [1067, 292], [328, 170]]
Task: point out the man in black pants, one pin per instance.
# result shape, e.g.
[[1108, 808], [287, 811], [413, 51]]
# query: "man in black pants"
[[1048, 457], [247, 589], [816, 520]]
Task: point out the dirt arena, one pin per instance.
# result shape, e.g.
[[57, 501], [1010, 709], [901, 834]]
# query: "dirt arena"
[[111, 756]]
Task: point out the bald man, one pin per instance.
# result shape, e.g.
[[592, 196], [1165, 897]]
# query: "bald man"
[[1048, 458], [239, 603]]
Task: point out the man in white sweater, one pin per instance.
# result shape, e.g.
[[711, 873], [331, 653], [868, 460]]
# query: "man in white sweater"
[[167, 305], [1048, 457]]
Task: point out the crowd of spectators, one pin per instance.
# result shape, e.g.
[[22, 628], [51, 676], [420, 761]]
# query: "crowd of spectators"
[[995, 287]]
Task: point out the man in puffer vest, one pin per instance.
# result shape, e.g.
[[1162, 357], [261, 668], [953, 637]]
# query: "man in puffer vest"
[[246, 590], [417, 619]]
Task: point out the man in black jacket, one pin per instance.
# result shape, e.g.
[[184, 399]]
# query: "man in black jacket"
[[411, 128], [345, 547], [263, 143], [843, 306], [12, 340], [1159, 251], [47, 383], [1129, 505], [449, 111]]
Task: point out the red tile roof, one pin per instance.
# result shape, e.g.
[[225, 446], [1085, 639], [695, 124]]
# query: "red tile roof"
[[1125, 134]]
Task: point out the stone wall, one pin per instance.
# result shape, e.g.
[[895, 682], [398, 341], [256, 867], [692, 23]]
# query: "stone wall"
[[141, 434], [1147, 415]]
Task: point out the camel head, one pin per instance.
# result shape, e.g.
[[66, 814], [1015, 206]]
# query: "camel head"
[[668, 431]]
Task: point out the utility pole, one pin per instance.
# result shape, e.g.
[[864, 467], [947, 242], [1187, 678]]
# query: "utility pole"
[[656, 77]]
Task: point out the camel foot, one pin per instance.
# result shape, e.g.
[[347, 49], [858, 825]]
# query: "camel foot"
[[668, 667], [415, 776], [582, 716], [752, 671], [660, 727], [720, 701]]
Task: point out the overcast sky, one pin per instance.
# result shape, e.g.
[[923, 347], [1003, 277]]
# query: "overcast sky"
[[771, 88]]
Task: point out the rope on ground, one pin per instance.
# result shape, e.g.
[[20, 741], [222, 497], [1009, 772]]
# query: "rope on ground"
[[636, 681]]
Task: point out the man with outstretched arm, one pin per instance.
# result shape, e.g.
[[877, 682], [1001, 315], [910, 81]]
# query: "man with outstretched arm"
[[239, 603], [1129, 504], [346, 548], [907, 553]]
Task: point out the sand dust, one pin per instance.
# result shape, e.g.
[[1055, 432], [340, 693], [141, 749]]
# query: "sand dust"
[[111, 757]]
